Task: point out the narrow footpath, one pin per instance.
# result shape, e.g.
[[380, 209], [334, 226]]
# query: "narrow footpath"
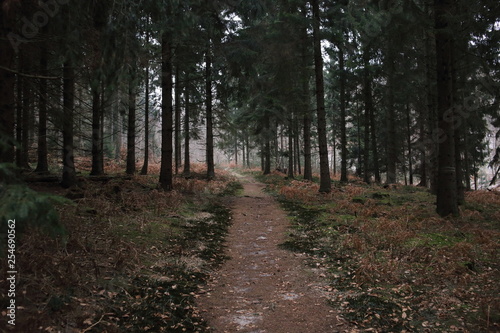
[[263, 288]]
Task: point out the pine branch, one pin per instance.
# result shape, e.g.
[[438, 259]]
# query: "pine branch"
[[29, 75]]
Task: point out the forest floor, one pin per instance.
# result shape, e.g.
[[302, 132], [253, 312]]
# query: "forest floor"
[[132, 258], [213, 256], [389, 263]]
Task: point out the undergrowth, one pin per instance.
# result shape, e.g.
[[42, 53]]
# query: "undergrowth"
[[132, 259], [391, 263]]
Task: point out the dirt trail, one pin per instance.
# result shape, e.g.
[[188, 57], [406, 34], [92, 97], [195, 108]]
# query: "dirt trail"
[[263, 288]]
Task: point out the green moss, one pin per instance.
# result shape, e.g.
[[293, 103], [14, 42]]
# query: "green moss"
[[232, 188], [359, 200], [435, 240]]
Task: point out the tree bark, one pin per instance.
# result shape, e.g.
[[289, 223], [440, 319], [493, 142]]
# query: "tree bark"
[[267, 145], [290, 148], [305, 105], [131, 128], [458, 130], [432, 144], [392, 150], [97, 153], [296, 138], [7, 84], [25, 124], [368, 109], [325, 181], [69, 172], [307, 146], [467, 163], [408, 142], [145, 166], [262, 159], [247, 143], [359, 167], [187, 135], [267, 155], [19, 114], [423, 118], [166, 170], [116, 125], [235, 149], [459, 167], [43, 165], [177, 129], [423, 136], [343, 122], [208, 106], [447, 181], [376, 168]]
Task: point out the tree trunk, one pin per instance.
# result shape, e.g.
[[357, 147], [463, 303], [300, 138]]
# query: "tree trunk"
[[297, 145], [43, 165], [423, 118], [144, 170], [458, 130], [166, 172], [334, 154], [359, 167], [7, 84], [373, 126], [267, 155], [421, 145], [187, 135], [69, 172], [459, 167], [392, 150], [117, 130], [97, 153], [243, 152], [262, 159], [325, 181], [267, 145], [236, 149], [26, 115], [432, 144], [343, 123], [307, 146], [177, 129], [467, 162], [368, 109], [305, 105], [290, 148], [19, 114], [447, 181], [408, 142], [208, 106], [131, 128], [247, 143]]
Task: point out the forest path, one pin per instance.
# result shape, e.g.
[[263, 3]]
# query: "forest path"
[[263, 288]]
